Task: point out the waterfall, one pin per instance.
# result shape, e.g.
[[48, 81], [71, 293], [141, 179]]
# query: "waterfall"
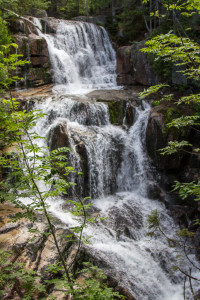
[[82, 57], [117, 174]]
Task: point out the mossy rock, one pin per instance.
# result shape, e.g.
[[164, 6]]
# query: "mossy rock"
[[116, 110], [119, 110]]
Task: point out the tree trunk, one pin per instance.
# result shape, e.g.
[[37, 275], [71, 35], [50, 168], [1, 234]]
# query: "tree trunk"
[[87, 15]]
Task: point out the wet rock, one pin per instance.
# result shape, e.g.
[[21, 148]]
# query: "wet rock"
[[141, 68], [38, 46], [38, 72], [158, 136], [177, 75], [41, 252], [50, 25], [182, 214], [121, 112], [38, 76], [123, 224], [191, 171], [125, 79], [8, 227], [124, 67], [181, 166], [116, 110], [17, 26], [39, 61], [82, 151], [58, 137], [130, 94], [154, 192], [130, 114], [197, 244], [133, 66], [123, 60], [35, 50]]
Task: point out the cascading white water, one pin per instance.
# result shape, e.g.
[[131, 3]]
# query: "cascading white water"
[[117, 165], [133, 171], [82, 57]]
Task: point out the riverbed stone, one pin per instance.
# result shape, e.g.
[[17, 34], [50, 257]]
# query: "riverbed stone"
[[58, 137]]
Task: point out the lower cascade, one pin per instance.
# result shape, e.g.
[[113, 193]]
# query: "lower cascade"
[[118, 176]]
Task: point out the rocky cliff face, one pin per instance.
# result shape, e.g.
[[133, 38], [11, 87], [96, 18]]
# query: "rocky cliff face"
[[34, 49], [133, 66], [37, 251], [181, 165]]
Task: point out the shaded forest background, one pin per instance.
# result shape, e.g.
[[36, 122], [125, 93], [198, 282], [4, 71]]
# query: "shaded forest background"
[[126, 20]]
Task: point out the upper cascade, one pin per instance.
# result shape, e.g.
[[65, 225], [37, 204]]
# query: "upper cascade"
[[81, 55]]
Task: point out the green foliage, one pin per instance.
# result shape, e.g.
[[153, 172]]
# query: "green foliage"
[[191, 99], [131, 22], [185, 233], [152, 90], [180, 16], [8, 65], [14, 277], [186, 190], [4, 36], [156, 103], [69, 8], [21, 6], [90, 284], [175, 146], [177, 50], [161, 67], [37, 175], [185, 121]]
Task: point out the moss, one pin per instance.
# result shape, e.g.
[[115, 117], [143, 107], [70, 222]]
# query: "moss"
[[116, 110], [128, 52], [155, 103], [170, 114], [39, 76]]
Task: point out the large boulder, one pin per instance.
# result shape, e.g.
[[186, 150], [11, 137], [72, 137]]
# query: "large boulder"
[[142, 70], [158, 135], [124, 67], [38, 46], [181, 165], [58, 137], [134, 67]]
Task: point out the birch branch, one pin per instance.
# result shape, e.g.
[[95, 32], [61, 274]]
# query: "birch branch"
[[22, 18]]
